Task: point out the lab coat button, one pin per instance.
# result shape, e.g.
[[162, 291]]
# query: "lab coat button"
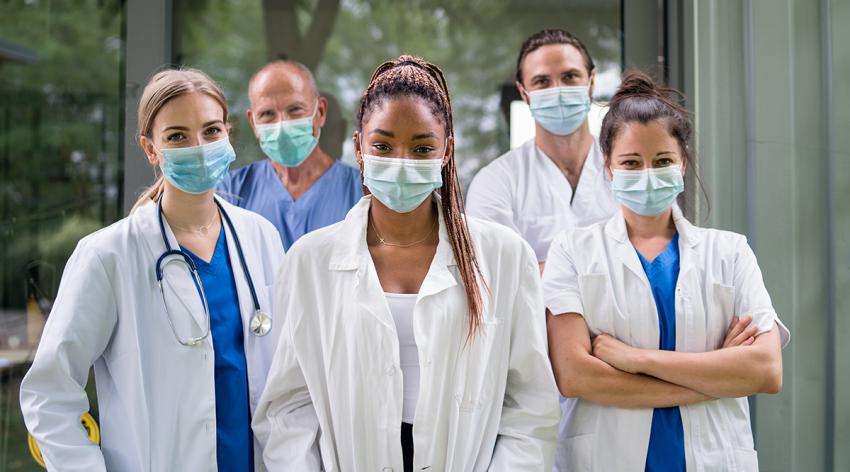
[[391, 370]]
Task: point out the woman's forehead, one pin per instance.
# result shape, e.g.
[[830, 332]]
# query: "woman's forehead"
[[405, 115]]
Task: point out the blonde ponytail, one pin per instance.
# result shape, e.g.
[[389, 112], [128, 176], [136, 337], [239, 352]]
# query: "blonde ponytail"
[[151, 193]]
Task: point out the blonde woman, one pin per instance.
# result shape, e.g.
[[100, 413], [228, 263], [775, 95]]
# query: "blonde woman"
[[170, 305]]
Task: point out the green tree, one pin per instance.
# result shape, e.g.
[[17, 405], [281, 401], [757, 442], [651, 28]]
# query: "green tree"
[[60, 129], [474, 41]]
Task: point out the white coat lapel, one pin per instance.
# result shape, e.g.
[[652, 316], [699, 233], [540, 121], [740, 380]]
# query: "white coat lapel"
[[182, 299], [352, 255], [689, 237], [624, 251], [690, 317], [439, 276]]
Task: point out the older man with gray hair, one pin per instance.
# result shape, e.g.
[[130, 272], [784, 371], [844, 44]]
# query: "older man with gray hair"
[[299, 188]]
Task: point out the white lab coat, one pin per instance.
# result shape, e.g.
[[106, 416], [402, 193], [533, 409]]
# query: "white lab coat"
[[595, 272], [527, 192], [156, 397], [334, 394]]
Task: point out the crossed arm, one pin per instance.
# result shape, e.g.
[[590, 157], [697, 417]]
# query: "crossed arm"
[[609, 372]]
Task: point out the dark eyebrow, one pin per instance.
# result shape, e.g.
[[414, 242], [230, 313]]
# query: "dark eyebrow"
[[424, 136], [629, 154], [210, 123], [664, 152], [386, 133], [540, 76]]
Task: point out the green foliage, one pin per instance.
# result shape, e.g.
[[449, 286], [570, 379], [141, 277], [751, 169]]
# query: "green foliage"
[[475, 42], [59, 131]]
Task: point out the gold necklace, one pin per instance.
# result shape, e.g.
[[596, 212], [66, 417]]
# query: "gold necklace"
[[383, 242], [204, 229]]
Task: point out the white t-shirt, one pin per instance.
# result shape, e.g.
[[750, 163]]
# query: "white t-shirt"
[[526, 191], [401, 306]]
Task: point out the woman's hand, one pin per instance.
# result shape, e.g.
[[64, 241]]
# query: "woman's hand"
[[616, 353], [741, 332]]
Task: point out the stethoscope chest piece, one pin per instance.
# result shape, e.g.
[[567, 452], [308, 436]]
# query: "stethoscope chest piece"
[[261, 324]]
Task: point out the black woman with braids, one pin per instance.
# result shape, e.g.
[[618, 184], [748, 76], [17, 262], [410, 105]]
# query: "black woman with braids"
[[413, 337]]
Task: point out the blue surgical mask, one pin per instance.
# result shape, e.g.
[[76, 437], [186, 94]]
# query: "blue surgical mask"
[[197, 169], [401, 184], [288, 142], [560, 110], [648, 192]]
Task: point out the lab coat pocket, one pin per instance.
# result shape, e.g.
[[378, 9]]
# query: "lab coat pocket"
[[719, 310], [746, 460], [724, 301], [578, 452], [600, 309], [476, 385]]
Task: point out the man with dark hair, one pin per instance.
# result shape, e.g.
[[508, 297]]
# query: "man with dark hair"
[[556, 180], [299, 188]]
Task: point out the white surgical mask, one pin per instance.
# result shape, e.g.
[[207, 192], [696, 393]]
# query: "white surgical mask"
[[401, 184], [648, 192], [560, 110], [289, 142]]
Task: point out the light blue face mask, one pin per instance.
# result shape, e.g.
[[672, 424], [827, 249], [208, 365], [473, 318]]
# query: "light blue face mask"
[[401, 184], [560, 110], [648, 192], [197, 169], [288, 142]]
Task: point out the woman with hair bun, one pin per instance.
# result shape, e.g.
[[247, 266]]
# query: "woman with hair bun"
[[414, 338], [658, 329]]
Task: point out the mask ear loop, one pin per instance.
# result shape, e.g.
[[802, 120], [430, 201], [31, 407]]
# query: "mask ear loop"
[[590, 93]]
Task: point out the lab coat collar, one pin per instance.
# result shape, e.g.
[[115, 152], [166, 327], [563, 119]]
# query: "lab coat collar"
[[689, 237], [688, 233]]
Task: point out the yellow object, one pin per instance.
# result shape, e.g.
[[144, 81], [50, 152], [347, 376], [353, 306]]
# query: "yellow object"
[[88, 422], [35, 321]]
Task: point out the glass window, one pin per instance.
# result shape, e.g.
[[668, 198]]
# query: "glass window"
[[475, 43], [60, 168]]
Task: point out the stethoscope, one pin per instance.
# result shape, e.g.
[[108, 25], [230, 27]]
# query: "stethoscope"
[[260, 324]]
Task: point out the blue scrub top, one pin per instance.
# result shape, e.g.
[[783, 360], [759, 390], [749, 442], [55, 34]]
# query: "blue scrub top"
[[234, 439], [256, 187], [667, 440]]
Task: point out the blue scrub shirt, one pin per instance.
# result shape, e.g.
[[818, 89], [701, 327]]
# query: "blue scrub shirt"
[[666, 451], [256, 187], [234, 439]]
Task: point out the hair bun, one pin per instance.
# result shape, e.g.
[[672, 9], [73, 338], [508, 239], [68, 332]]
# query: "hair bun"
[[405, 59], [637, 83]]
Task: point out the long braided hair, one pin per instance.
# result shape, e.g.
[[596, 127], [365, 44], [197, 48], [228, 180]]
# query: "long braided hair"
[[414, 76]]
